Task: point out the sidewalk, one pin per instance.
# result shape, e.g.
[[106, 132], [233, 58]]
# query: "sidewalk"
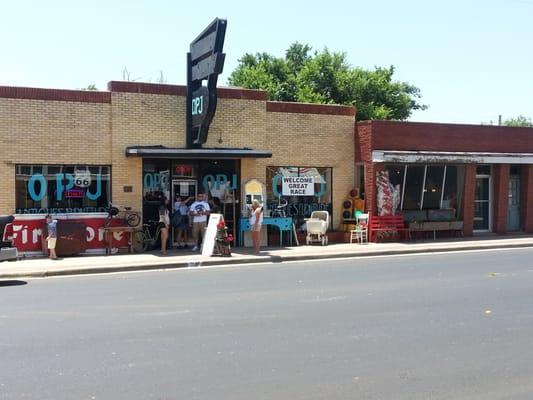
[[43, 267]]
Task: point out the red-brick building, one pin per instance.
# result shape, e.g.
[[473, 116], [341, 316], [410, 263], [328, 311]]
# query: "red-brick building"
[[479, 176]]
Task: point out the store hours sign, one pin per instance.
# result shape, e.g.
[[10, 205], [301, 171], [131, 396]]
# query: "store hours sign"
[[298, 186]]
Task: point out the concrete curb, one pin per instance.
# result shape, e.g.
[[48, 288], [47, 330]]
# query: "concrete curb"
[[249, 260]]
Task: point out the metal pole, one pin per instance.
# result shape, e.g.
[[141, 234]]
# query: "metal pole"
[[423, 186], [442, 190]]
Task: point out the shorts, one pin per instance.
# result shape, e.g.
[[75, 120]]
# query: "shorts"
[[52, 243], [181, 222], [256, 228]]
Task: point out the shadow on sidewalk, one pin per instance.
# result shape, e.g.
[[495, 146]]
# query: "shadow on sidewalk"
[[13, 283]]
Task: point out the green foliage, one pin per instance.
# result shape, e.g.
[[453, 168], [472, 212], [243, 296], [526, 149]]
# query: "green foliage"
[[92, 86], [327, 77], [519, 121]]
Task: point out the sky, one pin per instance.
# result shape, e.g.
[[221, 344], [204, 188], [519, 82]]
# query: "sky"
[[471, 59]]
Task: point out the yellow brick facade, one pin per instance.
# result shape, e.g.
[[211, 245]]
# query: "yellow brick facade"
[[68, 132], [50, 132]]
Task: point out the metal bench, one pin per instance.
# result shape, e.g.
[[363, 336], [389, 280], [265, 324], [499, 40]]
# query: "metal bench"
[[387, 225]]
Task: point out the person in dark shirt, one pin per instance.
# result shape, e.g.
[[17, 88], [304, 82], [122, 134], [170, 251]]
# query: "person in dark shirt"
[[51, 239]]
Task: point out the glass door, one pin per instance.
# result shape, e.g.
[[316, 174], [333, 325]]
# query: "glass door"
[[482, 204], [183, 190]]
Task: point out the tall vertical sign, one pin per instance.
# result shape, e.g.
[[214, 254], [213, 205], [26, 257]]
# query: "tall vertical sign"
[[205, 61]]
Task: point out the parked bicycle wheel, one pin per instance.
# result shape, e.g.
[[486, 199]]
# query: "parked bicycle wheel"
[[140, 242], [133, 219]]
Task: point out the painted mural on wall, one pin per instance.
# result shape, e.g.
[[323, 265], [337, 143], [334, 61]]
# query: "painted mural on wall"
[[388, 195]]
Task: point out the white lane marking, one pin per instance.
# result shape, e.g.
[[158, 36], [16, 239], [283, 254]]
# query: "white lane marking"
[[276, 264], [319, 299]]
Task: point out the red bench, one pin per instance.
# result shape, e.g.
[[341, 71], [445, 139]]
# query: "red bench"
[[387, 226]]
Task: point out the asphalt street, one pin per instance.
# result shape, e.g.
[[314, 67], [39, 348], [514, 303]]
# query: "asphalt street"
[[433, 326]]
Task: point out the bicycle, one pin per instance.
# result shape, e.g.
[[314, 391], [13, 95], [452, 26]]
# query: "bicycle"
[[143, 240], [132, 218]]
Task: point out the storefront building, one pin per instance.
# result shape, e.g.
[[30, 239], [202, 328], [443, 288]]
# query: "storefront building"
[[467, 178], [74, 152]]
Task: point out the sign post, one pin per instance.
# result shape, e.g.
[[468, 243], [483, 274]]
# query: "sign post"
[[205, 61]]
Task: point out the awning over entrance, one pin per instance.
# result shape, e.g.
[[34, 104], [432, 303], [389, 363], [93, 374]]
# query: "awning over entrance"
[[220, 153], [450, 157]]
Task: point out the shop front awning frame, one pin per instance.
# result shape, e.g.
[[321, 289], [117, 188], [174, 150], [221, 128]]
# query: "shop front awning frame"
[[428, 157], [200, 153]]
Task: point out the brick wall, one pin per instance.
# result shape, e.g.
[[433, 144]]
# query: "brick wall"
[[418, 136], [468, 199], [313, 140], [526, 198], [501, 197], [363, 139], [50, 127], [371, 170]]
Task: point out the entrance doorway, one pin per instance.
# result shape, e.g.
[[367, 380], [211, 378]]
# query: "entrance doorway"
[[482, 204], [186, 189], [513, 210], [218, 179]]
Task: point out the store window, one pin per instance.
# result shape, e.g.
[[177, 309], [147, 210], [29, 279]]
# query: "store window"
[[298, 191], [62, 189], [422, 187], [414, 181], [433, 187]]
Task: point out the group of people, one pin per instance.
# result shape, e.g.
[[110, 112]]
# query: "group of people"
[[195, 216], [184, 216]]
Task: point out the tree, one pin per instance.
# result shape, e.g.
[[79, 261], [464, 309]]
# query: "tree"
[[327, 77], [92, 86], [519, 121]]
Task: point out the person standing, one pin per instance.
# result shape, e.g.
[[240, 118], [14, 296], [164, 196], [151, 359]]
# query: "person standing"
[[164, 220], [180, 220], [51, 239], [256, 221], [199, 211]]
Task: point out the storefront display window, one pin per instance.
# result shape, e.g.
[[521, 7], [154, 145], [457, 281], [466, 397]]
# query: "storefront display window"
[[424, 187], [412, 193], [62, 189], [302, 189], [433, 187]]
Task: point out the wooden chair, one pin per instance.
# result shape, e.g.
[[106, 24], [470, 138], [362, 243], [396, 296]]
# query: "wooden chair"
[[360, 233]]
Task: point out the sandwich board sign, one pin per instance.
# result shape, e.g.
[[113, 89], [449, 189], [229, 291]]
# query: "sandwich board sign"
[[208, 244]]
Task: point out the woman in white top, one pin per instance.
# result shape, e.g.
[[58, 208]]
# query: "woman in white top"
[[256, 220], [164, 220]]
